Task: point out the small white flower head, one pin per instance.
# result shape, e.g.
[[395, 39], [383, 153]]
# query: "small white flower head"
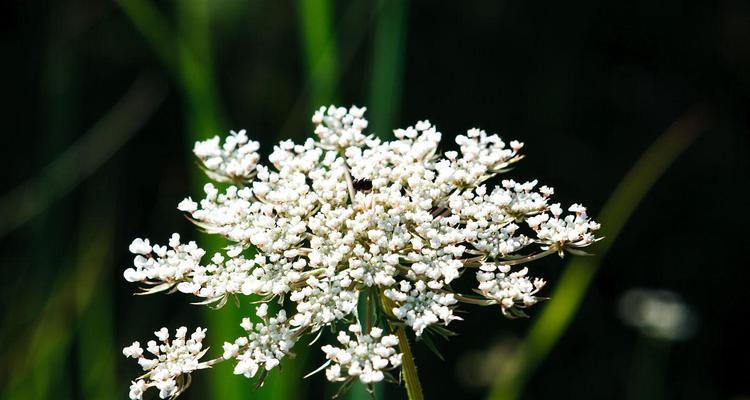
[[339, 127], [173, 361], [219, 279], [482, 156], [233, 161], [162, 266], [366, 357], [265, 344], [321, 302], [571, 232], [512, 291], [419, 306]]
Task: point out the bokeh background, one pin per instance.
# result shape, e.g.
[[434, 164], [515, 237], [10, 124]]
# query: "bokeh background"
[[637, 109]]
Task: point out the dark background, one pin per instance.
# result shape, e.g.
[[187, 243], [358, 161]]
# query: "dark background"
[[588, 86]]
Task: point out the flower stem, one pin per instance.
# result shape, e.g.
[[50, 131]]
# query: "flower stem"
[[349, 183], [526, 259], [408, 368]]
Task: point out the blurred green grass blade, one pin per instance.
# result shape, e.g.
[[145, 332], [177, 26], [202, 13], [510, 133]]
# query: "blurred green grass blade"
[[86, 155], [43, 359], [185, 54], [97, 351], [77, 162], [47, 232], [359, 27], [154, 27], [319, 45], [549, 326], [648, 369], [388, 66], [37, 360], [197, 70]]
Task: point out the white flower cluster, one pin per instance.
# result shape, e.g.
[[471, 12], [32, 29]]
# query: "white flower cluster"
[[339, 127], [232, 161], [266, 343], [322, 302], [572, 231], [420, 307], [169, 370], [511, 290], [180, 266], [346, 213], [161, 264], [365, 358]]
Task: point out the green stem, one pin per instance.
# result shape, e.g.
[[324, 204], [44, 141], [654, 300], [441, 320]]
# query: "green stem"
[[408, 368], [526, 259]]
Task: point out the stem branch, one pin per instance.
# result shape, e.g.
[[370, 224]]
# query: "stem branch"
[[408, 368], [526, 259], [349, 183]]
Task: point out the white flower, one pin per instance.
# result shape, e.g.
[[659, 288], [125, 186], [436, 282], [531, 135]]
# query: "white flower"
[[134, 350], [137, 388], [140, 246], [322, 302], [343, 214], [180, 266], [366, 357], [339, 127], [511, 290], [572, 231], [266, 343], [273, 274], [187, 205], [419, 307], [234, 161], [161, 264], [174, 361]]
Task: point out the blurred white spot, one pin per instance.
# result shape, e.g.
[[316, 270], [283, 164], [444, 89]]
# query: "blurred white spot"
[[660, 314]]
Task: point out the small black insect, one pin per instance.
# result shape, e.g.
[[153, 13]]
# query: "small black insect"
[[362, 185]]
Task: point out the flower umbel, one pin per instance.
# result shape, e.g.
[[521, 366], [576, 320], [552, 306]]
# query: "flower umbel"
[[365, 357], [346, 216], [169, 370]]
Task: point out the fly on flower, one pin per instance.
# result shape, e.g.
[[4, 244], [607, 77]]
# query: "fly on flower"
[[345, 216], [362, 185]]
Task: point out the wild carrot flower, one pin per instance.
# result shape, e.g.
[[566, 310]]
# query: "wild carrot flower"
[[345, 216], [169, 370]]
